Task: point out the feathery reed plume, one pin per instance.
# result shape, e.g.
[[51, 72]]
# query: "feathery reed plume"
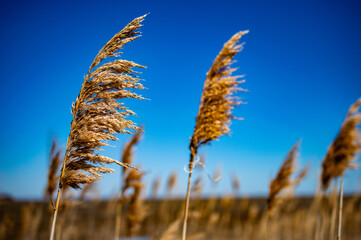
[[282, 179], [214, 114], [136, 210], [128, 178], [55, 161], [215, 108], [344, 149], [127, 152], [97, 115]]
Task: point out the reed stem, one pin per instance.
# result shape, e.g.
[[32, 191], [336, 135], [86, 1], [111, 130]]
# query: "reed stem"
[[55, 214], [186, 206], [340, 211]]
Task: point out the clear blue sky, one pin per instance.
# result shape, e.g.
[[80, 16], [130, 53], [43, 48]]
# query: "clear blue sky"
[[301, 61]]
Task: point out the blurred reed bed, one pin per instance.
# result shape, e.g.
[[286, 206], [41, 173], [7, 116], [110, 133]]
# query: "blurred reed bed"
[[94, 219]]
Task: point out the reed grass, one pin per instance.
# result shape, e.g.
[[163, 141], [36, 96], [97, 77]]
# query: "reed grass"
[[129, 179], [215, 108], [97, 116], [282, 180], [340, 207], [53, 178], [344, 149]]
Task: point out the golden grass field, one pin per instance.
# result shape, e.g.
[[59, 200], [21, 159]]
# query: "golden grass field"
[[222, 218]]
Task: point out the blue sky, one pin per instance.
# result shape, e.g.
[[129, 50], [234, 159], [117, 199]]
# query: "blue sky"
[[301, 61]]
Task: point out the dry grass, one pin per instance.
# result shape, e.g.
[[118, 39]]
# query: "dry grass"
[[53, 177], [215, 109], [136, 208], [344, 149], [128, 149], [282, 179], [130, 179], [93, 220], [217, 101], [97, 115]]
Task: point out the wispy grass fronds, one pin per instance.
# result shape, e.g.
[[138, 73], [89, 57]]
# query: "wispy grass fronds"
[[215, 108], [128, 150], [97, 116], [217, 101], [130, 179], [136, 209], [282, 179], [55, 161], [344, 149]]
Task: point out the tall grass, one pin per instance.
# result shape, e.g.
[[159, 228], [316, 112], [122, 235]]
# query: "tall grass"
[[97, 115], [217, 101]]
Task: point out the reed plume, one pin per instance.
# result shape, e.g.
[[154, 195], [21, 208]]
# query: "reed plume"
[[344, 148], [127, 152], [55, 161], [130, 179], [215, 108], [136, 209], [97, 116], [282, 179]]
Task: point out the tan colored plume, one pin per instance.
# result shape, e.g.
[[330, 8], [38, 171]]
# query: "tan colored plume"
[[128, 149], [136, 208], [282, 179], [97, 115], [55, 161], [214, 114], [131, 179], [216, 105], [344, 149]]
